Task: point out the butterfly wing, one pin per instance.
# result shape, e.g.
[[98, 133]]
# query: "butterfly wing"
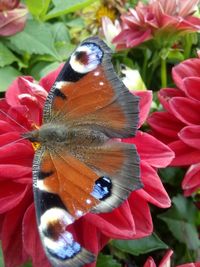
[[91, 172], [88, 93]]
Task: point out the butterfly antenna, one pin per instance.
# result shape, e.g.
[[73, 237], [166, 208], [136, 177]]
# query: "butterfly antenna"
[[12, 119], [13, 142]]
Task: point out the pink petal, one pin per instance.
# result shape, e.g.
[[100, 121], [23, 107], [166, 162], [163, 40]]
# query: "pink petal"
[[49, 79], [8, 171], [145, 104], [184, 154], [165, 123], [186, 110], [190, 136], [191, 87], [16, 88], [188, 68], [166, 259], [153, 152], [153, 191], [192, 178], [13, 21], [116, 224], [150, 262], [165, 95], [142, 216]]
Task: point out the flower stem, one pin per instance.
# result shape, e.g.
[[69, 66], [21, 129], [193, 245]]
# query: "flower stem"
[[163, 73]]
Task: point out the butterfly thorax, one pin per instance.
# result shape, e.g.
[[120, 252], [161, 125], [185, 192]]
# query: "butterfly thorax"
[[58, 135]]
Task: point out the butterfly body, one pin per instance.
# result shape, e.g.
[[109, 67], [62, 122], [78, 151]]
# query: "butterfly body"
[[80, 166]]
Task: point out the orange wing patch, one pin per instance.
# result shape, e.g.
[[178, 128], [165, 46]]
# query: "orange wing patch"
[[71, 180]]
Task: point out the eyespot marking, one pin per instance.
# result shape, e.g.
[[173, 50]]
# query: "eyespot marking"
[[102, 188], [86, 58]]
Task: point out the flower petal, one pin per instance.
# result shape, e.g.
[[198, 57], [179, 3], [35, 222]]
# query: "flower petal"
[[144, 105], [188, 68], [13, 21], [191, 87], [150, 262], [184, 154], [117, 224], [192, 178], [186, 110], [165, 123], [153, 191], [153, 152], [190, 136], [166, 94]]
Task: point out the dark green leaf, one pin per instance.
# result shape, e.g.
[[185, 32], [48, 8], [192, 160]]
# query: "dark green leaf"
[[140, 246], [107, 261], [66, 6], [181, 221], [7, 75], [36, 38], [6, 56], [29, 264]]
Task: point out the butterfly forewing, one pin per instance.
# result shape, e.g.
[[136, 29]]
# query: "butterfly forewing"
[[79, 166]]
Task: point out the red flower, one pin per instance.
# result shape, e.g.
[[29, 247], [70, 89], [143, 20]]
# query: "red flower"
[[179, 125], [157, 19], [22, 108], [165, 262], [12, 17]]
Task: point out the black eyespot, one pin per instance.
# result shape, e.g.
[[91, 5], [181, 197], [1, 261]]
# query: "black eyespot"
[[59, 93]]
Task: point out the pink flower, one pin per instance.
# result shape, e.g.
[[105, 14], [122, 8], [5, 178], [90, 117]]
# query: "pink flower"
[[179, 124], [157, 19], [23, 105], [165, 262], [12, 17]]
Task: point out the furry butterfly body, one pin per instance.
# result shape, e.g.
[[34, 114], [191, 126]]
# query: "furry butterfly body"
[[79, 166]]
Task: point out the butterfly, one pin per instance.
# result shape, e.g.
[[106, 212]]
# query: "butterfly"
[[80, 165]]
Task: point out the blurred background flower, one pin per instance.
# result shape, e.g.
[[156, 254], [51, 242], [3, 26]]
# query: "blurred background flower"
[[179, 124], [160, 20], [13, 17]]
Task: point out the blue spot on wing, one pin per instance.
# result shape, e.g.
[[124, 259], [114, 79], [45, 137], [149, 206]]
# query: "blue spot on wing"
[[102, 188], [65, 252]]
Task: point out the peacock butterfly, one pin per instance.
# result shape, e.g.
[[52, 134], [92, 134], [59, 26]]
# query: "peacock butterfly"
[[80, 166]]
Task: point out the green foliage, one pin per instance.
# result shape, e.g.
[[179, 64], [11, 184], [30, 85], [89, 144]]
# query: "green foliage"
[[181, 220], [6, 56], [140, 246], [107, 260], [62, 7], [7, 75]]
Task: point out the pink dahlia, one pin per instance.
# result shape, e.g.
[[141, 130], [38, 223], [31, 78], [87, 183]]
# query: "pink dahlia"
[[161, 19], [12, 17], [22, 109], [166, 261], [179, 124]]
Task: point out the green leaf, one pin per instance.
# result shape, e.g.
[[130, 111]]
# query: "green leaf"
[[37, 8], [181, 221], [7, 75], [62, 7], [36, 38], [107, 260], [41, 69], [1, 258], [140, 246], [28, 264], [6, 56]]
